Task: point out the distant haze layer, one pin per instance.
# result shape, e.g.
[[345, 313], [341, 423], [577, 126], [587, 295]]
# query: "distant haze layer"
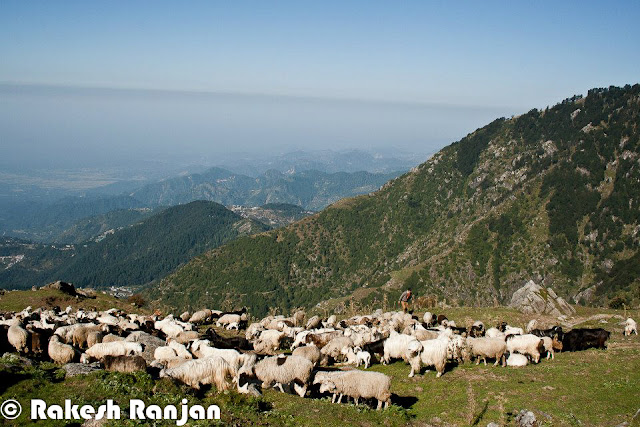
[[53, 126]]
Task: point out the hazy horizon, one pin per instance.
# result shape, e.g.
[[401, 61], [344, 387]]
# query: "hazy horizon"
[[58, 126], [87, 84]]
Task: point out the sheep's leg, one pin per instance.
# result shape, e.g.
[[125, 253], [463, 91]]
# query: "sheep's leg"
[[379, 405], [280, 387], [484, 359], [357, 399], [333, 398], [340, 398]]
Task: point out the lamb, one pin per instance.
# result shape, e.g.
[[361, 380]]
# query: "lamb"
[[18, 337], [334, 348], [124, 363], [59, 352], [434, 353], [486, 347], [529, 345], [198, 372], [285, 370], [516, 360], [358, 356], [310, 352], [117, 348], [630, 327], [360, 384], [550, 345]]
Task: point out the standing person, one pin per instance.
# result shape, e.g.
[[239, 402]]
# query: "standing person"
[[405, 298]]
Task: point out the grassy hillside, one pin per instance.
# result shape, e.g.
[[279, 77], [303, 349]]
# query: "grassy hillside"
[[590, 388], [550, 195]]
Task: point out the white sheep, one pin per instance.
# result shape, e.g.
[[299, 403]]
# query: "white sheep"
[[486, 347], [59, 352], [360, 384], [201, 316], [456, 348], [271, 338], [164, 353], [116, 348], [310, 352], [533, 324], [180, 349], [233, 357], [630, 327], [517, 360], [529, 345], [225, 319], [281, 370], [494, 333], [253, 331], [511, 330], [357, 356], [313, 323], [434, 353], [548, 347], [400, 346], [233, 325], [198, 372], [18, 337]]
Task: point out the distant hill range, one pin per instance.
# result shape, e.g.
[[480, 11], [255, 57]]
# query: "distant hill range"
[[552, 195], [73, 219], [131, 256], [310, 189]]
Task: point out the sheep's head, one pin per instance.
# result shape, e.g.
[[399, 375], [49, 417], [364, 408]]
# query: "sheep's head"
[[327, 387]]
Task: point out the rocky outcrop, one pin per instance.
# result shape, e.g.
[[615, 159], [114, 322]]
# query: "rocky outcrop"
[[585, 295], [61, 286], [73, 369], [534, 299]]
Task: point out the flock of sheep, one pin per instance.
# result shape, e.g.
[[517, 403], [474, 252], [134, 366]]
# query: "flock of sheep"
[[189, 351]]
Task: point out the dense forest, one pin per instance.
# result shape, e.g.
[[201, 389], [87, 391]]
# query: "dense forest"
[[134, 256], [551, 195]]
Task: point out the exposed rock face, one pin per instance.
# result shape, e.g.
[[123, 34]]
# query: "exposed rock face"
[[65, 287], [149, 344], [585, 295], [74, 369], [526, 419], [534, 299]]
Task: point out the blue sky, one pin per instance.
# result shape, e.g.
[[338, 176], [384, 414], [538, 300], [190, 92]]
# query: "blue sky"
[[484, 58]]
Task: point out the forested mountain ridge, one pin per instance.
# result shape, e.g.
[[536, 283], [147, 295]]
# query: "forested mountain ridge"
[[551, 195], [133, 256]]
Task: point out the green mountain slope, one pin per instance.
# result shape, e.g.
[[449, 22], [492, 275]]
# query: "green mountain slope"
[[549, 195], [135, 255]]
